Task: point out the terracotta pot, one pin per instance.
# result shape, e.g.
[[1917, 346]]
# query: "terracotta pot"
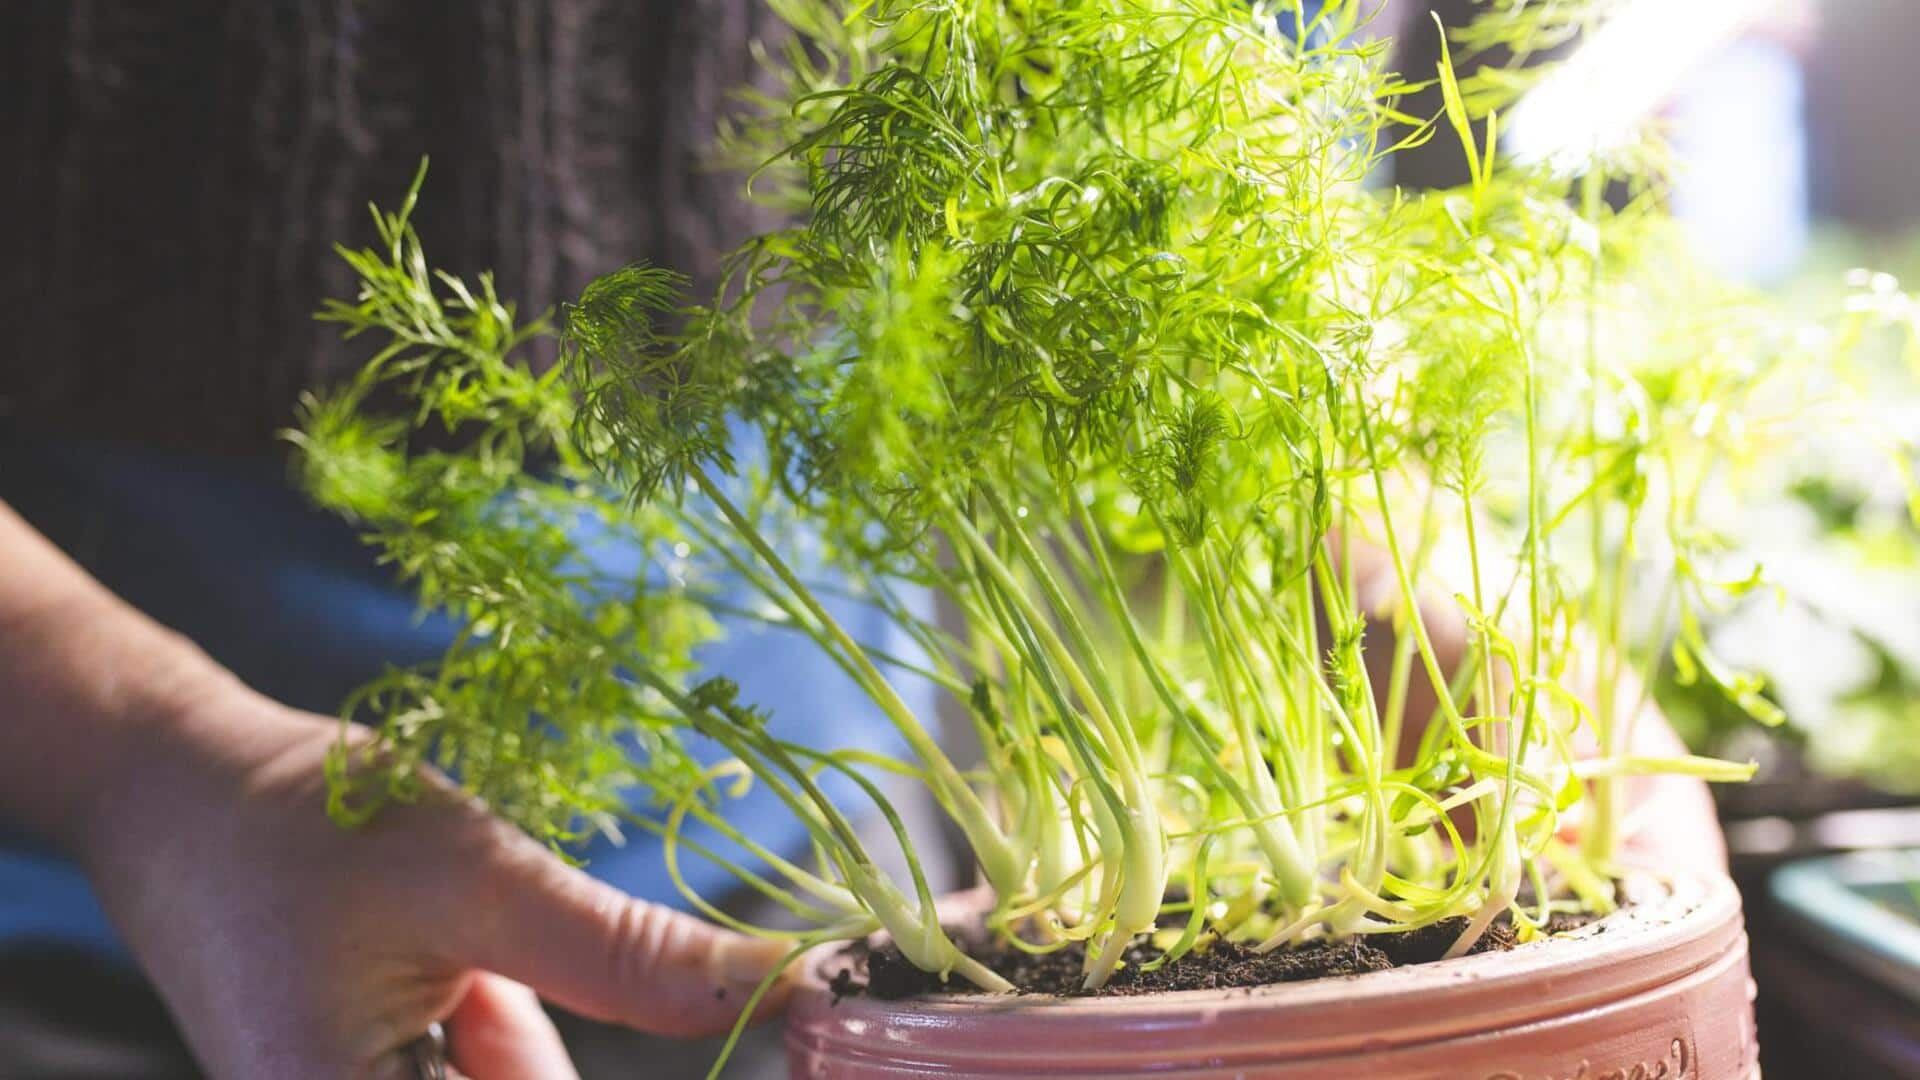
[[1660, 990]]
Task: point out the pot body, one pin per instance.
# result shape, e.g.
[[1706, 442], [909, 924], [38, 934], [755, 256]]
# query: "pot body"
[[1660, 991]]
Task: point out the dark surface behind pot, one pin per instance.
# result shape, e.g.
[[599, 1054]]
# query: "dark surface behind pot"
[[1818, 1018]]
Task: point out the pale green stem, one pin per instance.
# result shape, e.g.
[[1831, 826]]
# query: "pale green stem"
[[1003, 868]]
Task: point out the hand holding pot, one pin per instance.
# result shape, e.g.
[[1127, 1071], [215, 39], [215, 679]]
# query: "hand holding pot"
[[283, 945], [1671, 826], [287, 946]]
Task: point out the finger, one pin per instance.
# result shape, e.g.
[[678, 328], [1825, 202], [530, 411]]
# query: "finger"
[[597, 951], [1672, 827], [409, 1062], [500, 1032], [402, 1066], [1677, 828]]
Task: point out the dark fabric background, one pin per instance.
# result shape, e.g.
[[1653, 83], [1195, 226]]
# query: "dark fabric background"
[[175, 175]]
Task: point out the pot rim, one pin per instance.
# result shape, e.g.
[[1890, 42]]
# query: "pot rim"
[[1661, 986], [1694, 922]]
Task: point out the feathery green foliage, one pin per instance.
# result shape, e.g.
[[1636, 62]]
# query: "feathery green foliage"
[[1089, 323]]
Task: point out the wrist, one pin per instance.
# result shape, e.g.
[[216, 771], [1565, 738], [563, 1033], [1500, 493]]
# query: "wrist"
[[167, 805], [151, 729], [103, 696]]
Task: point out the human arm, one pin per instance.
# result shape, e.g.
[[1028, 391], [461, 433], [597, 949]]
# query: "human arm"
[[283, 945]]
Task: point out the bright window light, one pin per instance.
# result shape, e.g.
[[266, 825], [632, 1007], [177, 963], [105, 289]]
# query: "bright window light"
[[1599, 98]]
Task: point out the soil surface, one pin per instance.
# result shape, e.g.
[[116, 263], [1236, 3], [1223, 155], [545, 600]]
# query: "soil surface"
[[881, 972]]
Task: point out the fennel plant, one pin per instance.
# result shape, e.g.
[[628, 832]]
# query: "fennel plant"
[[1090, 323]]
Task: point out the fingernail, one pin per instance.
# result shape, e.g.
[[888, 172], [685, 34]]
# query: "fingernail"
[[745, 961]]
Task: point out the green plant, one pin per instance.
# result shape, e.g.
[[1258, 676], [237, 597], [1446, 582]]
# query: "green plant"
[[1091, 324], [1839, 530]]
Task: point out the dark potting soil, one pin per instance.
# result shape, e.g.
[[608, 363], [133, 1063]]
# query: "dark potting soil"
[[882, 972]]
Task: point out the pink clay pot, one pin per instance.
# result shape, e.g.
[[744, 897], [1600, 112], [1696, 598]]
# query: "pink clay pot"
[[1660, 991]]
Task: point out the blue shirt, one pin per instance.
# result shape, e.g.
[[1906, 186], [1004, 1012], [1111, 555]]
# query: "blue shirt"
[[286, 596]]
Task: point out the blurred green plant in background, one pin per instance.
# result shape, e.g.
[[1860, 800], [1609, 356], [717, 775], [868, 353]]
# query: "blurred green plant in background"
[[1837, 632]]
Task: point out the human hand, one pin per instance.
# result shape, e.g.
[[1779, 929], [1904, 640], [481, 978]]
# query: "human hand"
[[1670, 825], [288, 947]]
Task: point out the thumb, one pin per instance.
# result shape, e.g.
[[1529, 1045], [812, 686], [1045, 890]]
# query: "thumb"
[[592, 949], [499, 1032]]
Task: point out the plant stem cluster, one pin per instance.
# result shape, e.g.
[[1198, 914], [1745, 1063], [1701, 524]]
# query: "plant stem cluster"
[[1091, 324]]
